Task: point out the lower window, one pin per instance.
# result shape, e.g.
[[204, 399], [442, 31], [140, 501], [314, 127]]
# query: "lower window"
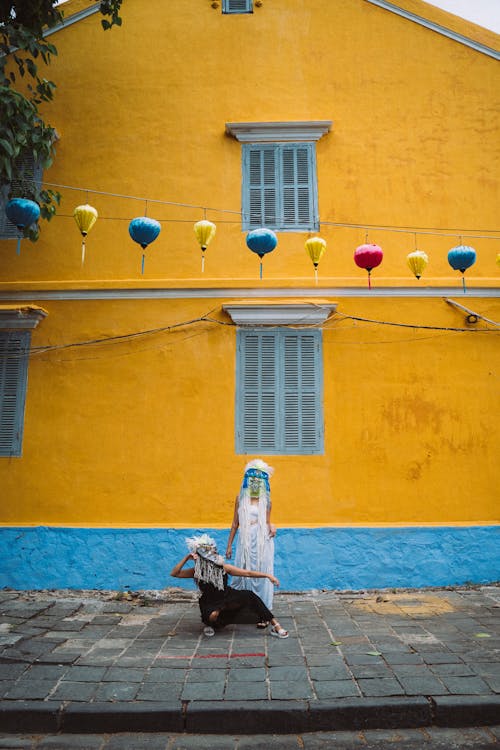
[[279, 391], [14, 353]]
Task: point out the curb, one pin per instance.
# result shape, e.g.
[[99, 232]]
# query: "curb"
[[255, 717]]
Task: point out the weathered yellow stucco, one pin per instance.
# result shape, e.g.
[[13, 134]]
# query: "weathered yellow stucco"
[[142, 431]]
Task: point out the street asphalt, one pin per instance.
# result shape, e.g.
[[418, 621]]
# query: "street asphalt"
[[81, 663]]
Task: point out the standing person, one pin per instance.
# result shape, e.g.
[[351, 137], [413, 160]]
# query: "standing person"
[[255, 544], [219, 603]]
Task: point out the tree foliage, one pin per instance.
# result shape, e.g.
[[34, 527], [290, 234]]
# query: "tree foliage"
[[25, 136]]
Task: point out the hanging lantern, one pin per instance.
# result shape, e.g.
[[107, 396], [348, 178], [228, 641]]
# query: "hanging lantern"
[[144, 231], [368, 257], [417, 261], [261, 242], [22, 212], [85, 217], [205, 232], [315, 246], [461, 258]]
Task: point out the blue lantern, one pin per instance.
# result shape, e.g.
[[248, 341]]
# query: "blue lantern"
[[144, 230], [22, 212], [461, 258], [261, 242]]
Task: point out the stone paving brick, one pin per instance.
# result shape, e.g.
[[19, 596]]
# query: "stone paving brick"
[[381, 687], [327, 689], [117, 691], [30, 689], [71, 742], [154, 691], [466, 685], [246, 691], [282, 690], [195, 691], [74, 691]]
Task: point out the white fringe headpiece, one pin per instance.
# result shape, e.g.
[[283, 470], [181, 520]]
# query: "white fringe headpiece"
[[208, 566]]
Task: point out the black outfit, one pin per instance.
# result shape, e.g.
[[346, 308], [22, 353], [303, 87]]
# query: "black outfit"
[[229, 602]]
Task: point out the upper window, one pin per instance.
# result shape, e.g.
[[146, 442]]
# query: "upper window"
[[279, 399], [31, 173], [237, 6], [279, 186]]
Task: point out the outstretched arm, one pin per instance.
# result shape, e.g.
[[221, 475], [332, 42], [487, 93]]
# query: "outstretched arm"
[[234, 571], [234, 529], [178, 572]]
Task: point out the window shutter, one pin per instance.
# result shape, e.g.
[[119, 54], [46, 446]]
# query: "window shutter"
[[301, 394], [14, 347], [298, 187], [257, 397], [279, 392], [260, 177], [279, 186], [31, 174], [237, 6]]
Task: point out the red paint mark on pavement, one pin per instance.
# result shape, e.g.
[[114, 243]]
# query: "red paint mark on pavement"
[[208, 656]]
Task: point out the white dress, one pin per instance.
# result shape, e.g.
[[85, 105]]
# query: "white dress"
[[254, 550]]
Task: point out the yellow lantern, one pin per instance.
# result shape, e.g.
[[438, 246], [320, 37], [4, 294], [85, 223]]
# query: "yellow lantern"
[[85, 217], [315, 246], [498, 260], [417, 261], [205, 232]]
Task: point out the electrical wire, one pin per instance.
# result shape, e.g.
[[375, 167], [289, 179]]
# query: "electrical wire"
[[444, 231]]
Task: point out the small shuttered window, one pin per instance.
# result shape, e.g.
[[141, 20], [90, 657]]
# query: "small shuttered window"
[[14, 349], [279, 186], [237, 6], [31, 174], [279, 393]]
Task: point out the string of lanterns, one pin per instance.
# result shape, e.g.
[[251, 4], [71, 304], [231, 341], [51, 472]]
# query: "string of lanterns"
[[144, 230]]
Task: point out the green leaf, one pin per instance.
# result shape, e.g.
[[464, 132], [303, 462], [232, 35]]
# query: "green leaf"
[[373, 653], [482, 635]]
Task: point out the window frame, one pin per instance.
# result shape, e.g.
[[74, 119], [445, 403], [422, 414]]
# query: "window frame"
[[274, 392], [282, 186], [33, 175], [228, 10], [16, 323]]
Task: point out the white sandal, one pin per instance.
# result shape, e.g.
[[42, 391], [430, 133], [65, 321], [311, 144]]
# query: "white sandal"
[[279, 632], [208, 631]]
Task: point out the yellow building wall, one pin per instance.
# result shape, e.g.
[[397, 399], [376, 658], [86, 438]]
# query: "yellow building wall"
[[142, 432]]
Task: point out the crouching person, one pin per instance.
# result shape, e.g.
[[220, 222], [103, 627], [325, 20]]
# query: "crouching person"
[[220, 603]]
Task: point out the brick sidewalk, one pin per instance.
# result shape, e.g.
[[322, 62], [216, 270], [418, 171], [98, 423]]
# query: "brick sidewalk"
[[352, 661]]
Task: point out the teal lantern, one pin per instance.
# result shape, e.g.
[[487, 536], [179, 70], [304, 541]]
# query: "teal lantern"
[[23, 213], [261, 242], [144, 231], [461, 258]]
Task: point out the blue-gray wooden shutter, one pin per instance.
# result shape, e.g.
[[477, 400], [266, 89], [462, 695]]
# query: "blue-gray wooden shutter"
[[298, 186], [279, 392], [14, 349], [279, 186], [260, 186], [31, 174], [237, 6]]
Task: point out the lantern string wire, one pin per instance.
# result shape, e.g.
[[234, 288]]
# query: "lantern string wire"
[[452, 231], [335, 317]]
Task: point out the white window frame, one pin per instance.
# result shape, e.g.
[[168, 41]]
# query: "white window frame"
[[279, 391], [232, 7], [16, 325], [279, 158]]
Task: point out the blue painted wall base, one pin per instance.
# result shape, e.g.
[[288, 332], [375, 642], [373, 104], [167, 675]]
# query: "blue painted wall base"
[[44, 557]]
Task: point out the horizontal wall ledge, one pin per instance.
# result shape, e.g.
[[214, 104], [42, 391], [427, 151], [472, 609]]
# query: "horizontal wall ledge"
[[218, 292]]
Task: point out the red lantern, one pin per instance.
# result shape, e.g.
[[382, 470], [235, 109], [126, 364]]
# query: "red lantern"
[[368, 257]]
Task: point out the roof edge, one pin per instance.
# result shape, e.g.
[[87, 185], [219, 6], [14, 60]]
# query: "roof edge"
[[438, 28]]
